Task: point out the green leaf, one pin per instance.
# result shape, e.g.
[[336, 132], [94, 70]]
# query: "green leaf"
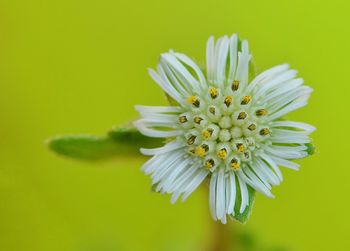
[[119, 143], [86, 147], [131, 136], [243, 217]]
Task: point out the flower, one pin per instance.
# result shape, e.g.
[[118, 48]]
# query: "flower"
[[224, 126]]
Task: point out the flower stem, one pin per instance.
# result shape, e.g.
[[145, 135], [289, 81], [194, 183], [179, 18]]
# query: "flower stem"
[[221, 237]]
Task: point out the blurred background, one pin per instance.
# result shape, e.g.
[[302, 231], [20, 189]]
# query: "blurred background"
[[74, 66]]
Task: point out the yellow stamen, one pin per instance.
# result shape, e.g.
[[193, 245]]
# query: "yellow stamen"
[[193, 100], [245, 100], [235, 85], [213, 92], [240, 147], [201, 150], [209, 163], [264, 131], [191, 140], [242, 115], [212, 110], [192, 150], [228, 101], [222, 153], [235, 165], [183, 119], [252, 127], [261, 112], [207, 133], [197, 119]]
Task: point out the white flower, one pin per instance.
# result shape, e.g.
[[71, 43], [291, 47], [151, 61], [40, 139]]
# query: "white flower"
[[224, 128]]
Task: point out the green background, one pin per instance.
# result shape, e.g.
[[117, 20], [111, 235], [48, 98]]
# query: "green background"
[[73, 66]]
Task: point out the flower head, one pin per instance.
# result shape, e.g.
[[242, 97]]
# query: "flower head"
[[225, 126]]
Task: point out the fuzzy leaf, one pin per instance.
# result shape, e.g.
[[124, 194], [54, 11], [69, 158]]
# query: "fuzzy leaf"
[[119, 143], [131, 136], [243, 217], [85, 147]]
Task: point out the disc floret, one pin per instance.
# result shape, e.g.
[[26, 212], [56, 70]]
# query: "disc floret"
[[228, 124]]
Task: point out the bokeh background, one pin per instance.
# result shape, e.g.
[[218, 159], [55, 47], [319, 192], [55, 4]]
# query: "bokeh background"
[[74, 66]]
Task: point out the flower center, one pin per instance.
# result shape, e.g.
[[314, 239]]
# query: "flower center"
[[223, 126]]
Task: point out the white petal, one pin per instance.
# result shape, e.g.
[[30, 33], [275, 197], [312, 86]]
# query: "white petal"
[[171, 176], [144, 128], [157, 161], [250, 178], [173, 145], [293, 148], [221, 59], [260, 174], [287, 98], [223, 220], [288, 86], [269, 174], [289, 108], [289, 133], [210, 58], [227, 192], [170, 77], [195, 68], [212, 195], [200, 176], [289, 139], [244, 195], [285, 153], [153, 116], [161, 120], [243, 65], [267, 75], [275, 82], [232, 197], [272, 164], [146, 111], [286, 163], [220, 195], [166, 86], [153, 163], [186, 78], [233, 58], [166, 168], [181, 181], [292, 124]]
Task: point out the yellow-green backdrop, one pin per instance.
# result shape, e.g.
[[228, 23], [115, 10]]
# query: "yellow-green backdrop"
[[75, 66]]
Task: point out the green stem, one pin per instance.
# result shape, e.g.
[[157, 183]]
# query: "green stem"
[[222, 236], [221, 239]]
